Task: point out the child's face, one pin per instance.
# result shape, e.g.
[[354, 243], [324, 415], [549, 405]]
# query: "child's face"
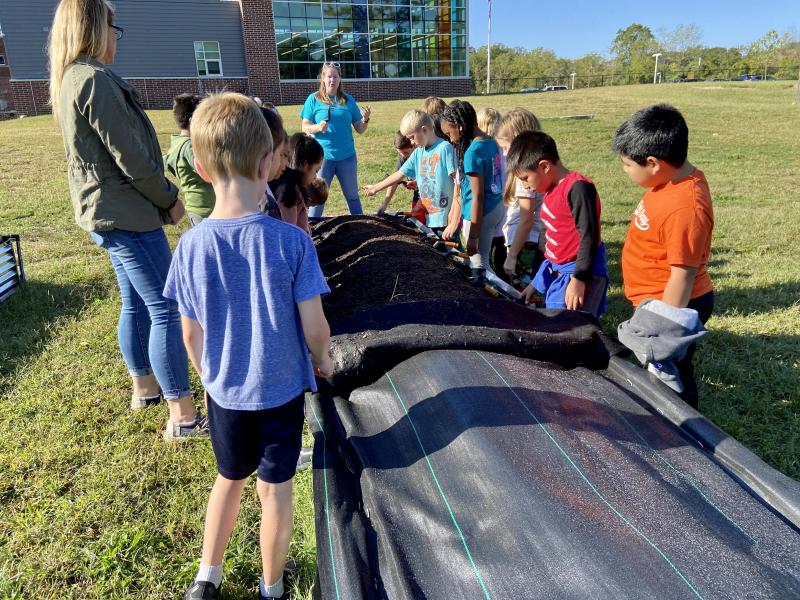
[[504, 145], [451, 131], [308, 173], [646, 176], [538, 180], [279, 161], [422, 137], [405, 152]]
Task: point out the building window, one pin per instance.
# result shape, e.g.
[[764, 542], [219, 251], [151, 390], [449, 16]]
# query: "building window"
[[2, 59], [209, 60], [371, 38]]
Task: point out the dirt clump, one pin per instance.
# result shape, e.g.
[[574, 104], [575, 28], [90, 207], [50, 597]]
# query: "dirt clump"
[[370, 262]]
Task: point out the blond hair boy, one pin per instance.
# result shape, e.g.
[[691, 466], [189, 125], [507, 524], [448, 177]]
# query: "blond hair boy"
[[248, 289], [432, 164]]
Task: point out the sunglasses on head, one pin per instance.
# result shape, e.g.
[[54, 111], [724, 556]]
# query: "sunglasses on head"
[[335, 65]]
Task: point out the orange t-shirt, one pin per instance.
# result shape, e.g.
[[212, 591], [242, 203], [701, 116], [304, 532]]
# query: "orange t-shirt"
[[671, 226]]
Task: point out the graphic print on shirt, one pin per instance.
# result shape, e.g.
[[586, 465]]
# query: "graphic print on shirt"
[[496, 186], [427, 184], [548, 218], [640, 219]]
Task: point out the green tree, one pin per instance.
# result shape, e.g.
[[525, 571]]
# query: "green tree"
[[633, 49], [764, 51]]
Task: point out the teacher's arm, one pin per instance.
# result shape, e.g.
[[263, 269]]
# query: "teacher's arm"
[[311, 128], [361, 126]]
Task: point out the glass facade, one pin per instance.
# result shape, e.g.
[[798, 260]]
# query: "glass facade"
[[372, 38]]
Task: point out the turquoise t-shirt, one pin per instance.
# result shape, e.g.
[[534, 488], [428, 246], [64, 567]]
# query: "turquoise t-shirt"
[[337, 141], [433, 168], [482, 158]]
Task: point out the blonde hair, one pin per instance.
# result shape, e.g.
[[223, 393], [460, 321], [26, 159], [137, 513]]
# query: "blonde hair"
[[433, 105], [79, 27], [414, 120], [229, 136], [488, 120], [322, 94], [516, 121]]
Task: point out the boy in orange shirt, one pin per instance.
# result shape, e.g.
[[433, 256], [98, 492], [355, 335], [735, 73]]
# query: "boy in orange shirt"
[[669, 239]]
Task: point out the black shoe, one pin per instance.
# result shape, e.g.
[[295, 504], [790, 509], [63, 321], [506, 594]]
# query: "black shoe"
[[202, 590]]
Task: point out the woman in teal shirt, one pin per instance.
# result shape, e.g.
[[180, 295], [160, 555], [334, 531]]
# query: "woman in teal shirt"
[[330, 116]]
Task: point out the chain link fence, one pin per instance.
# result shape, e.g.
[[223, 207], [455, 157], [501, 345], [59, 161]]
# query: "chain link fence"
[[510, 85]]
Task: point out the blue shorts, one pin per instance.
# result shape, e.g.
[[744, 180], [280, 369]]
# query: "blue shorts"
[[266, 441]]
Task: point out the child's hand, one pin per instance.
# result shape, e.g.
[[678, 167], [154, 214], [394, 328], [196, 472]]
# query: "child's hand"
[[449, 232], [371, 190], [528, 293], [324, 368], [411, 184], [176, 212], [472, 246], [323, 126], [510, 266], [573, 297]]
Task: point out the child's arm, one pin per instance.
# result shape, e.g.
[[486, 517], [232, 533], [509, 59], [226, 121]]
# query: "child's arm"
[[582, 201], [526, 210], [476, 214], [388, 198], [679, 286], [393, 179], [317, 333], [454, 217], [193, 340]]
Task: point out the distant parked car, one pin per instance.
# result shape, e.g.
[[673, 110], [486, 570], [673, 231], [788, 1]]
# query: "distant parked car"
[[554, 88], [530, 90], [750, 77]]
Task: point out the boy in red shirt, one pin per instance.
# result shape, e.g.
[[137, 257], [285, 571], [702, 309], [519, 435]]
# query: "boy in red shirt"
[[573, 274], [669, 239]]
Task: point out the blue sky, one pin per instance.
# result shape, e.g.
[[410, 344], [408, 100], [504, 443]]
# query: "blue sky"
[[572, 28]]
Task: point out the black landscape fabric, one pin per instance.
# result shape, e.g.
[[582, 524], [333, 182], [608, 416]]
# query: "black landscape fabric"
[[470, 474]]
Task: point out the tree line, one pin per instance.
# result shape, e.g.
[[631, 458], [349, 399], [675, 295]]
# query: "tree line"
[[630, 60]]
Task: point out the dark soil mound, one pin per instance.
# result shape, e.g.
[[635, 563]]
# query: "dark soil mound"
[[372, 261]]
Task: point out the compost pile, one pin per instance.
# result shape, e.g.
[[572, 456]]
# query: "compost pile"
[[370, 262]]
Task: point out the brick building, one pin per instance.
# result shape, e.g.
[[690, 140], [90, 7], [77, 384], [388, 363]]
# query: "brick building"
[[274, 49], [5, 79]]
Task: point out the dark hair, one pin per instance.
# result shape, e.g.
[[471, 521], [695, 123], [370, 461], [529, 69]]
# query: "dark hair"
[[401, 142], [659, 131], [462, 115], [275, 123], [528, 149], [183, 107], [304, 150]]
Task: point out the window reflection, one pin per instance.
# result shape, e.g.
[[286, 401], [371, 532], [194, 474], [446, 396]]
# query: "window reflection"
[[375, 38]]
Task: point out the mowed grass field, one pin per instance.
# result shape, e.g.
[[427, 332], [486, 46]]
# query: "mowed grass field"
[[94, 505]]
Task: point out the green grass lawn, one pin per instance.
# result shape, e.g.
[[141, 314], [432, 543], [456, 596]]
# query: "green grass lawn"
[[94, 505]]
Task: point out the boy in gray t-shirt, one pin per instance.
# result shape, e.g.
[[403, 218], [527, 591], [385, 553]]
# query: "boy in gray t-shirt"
[[248, 289]]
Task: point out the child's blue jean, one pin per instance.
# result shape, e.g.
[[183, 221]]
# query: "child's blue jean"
[[149, 328], [346, 171]]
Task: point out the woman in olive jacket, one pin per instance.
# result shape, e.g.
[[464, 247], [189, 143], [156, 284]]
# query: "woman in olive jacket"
[[121, 197]]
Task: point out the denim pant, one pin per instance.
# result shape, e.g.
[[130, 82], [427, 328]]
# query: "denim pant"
[[346, 171], [149, 328]]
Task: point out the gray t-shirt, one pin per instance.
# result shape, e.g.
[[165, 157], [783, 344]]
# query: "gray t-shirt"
[[241, 280]]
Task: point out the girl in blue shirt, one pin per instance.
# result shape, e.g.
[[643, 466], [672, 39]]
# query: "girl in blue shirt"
[[479, 163], [330, 115]]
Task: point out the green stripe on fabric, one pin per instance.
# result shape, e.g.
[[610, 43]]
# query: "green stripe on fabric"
[[327, 511], [441, 491], [591, 485], [660, 456]]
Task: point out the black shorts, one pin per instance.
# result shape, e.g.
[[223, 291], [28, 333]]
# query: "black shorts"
[[267, 441]]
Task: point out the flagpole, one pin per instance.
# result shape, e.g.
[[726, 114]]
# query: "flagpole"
[[489, 54]]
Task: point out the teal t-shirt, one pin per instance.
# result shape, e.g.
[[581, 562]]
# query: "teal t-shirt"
[[482, 158], [337, 141], [433, 168]]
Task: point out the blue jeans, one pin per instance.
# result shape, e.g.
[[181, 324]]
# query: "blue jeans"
[[149, 328], [346, 171]]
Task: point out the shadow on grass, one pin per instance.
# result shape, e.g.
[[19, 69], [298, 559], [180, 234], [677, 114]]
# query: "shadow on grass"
[[32, 315]]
